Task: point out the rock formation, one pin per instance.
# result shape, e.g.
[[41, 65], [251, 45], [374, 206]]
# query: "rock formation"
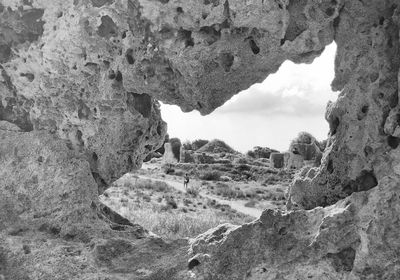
[[277, 160], [295, 161], [78, 86], [168, 157]]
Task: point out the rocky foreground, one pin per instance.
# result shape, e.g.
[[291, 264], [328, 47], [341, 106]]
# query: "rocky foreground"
[[78, 86]]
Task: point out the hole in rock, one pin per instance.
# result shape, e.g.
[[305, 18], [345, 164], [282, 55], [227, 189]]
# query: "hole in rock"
[[334, 125], [193, 263], [237, 155], [297, 20], [210, 34], [393, 142], [118, 77], [141, 103], [108, 28], [186, 37], [226, 60], [29, 76], [364, 182], [254, 48], [129, 56], [344, 260]]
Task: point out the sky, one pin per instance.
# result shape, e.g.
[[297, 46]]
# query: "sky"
[[268, 114]]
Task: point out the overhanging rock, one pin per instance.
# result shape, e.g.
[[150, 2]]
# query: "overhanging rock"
[[82, 78]]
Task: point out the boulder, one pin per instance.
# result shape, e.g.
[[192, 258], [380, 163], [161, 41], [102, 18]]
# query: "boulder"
[[307, 151], [277, 160], [169, 156], [295, 161]]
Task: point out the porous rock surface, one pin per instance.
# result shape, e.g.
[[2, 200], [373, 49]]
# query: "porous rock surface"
[[78, 85]]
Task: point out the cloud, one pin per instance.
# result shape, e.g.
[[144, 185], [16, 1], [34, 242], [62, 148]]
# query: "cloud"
[[295, 90], [293, 101], [268, 114]]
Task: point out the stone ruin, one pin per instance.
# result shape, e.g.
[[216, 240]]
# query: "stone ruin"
[[78, 86]]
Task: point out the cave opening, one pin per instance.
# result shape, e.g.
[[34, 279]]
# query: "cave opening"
[[240, 159]]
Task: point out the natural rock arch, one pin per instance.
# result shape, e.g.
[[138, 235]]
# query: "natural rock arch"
[[71, 77]]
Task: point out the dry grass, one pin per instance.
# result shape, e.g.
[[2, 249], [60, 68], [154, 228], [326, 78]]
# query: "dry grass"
[[167, 212], [210, 175], [173, 225], [142, 184], [193, 189]]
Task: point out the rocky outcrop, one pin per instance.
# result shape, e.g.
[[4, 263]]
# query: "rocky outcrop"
[[294, 161], [168, 157], [78, 85], [60, 75], [343, 241], [361, 149], [307, 151], [53, 227], [277, 160]]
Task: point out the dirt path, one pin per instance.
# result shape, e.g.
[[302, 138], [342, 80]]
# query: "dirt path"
[[237, 205]]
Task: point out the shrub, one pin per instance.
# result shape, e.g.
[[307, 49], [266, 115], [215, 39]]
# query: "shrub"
[[251, 154], [210, 175], [240, 160], [193, 189], [170, 201], [187, 145], [198, 143], [168, 169], [251, 204], [270, 180], [216, 146], [260, 152], [243, 167]]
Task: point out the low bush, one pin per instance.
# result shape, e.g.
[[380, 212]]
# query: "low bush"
[[193, 189], [251, 204], [210, 175], [197, 144], [168, 169], [170, 202], [175, 225]]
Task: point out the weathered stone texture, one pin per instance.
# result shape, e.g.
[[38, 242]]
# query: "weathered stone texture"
[[61, 77], [277, 160], [362, 145], [78, 85]]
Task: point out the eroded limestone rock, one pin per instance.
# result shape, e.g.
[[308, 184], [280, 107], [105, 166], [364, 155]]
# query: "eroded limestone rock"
[[78, 85], [343, 241], [362, 144], [277, 160]]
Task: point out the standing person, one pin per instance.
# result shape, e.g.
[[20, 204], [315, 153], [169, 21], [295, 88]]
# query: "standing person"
[[186, 180]]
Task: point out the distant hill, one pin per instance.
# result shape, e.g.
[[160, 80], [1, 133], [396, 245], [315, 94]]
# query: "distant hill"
[[216, 146]]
